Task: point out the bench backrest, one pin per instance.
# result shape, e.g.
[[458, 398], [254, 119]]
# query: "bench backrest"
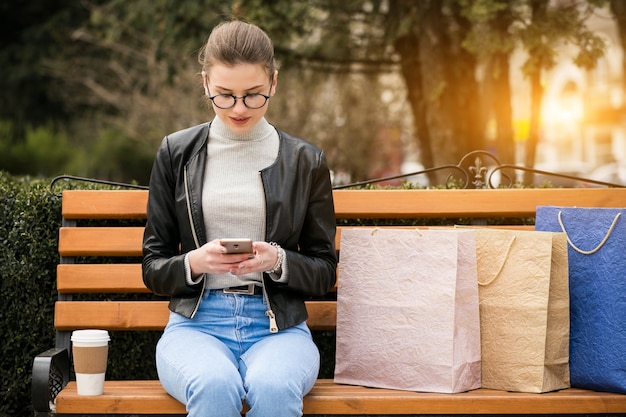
[[82, 278]]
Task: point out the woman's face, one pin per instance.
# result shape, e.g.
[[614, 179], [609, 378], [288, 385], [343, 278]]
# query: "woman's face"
[[239, 80]]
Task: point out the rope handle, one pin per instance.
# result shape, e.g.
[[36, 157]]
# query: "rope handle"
[[376, 229], [497, 274], [597, 248]]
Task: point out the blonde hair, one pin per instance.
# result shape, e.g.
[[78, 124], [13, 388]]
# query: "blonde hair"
[[236, 42]]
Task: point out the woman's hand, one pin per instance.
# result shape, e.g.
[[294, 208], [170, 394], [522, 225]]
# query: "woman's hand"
[[264, 259], [212, 258]]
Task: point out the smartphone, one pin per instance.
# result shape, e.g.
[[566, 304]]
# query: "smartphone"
[[237, 245]]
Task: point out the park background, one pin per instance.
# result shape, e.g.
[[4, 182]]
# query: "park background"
[[90, 87]]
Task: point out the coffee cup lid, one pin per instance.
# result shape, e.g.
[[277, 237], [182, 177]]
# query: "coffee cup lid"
[[90, 335]]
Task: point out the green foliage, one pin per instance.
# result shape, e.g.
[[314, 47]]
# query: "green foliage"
[[117, 157], [131, 67], [31, 217], [49, 152], [28, 241], [6, 134], [44, 151], [544, 27], [539, 27], [487, 17]]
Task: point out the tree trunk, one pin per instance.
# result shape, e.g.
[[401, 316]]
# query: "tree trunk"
[[466, 112], [536, 94], [437, 92], [499, 76], [538, 10], [407, 48], [502, 110], [618, 8]]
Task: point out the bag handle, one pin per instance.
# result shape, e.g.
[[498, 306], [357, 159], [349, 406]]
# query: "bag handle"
[[376, 229], [597, 248], [497, 274]]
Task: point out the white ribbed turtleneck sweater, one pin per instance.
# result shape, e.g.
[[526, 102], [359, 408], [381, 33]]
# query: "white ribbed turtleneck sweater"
[[233, 201]]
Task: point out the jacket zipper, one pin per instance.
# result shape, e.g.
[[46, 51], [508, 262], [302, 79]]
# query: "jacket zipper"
[[269, 313], [195, 236]]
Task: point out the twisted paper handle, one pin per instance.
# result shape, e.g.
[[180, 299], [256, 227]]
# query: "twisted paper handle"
[[374, 230], [597, 248], [497, 274]]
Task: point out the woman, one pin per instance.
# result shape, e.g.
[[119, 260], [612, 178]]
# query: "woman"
[[237, 327]]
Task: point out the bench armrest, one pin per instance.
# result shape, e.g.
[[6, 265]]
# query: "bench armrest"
[[51, 373]]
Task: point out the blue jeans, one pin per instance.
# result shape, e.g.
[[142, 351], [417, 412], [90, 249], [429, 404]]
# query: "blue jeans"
[[226, 354]]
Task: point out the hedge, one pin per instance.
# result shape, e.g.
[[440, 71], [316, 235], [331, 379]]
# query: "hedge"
[[28, 230], [31, 216]]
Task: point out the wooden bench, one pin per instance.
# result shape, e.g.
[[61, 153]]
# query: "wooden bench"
[[51, 370]]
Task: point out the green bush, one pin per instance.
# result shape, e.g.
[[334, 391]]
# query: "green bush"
[[28, 232], [31, 217], [43, 150], [49, 151]]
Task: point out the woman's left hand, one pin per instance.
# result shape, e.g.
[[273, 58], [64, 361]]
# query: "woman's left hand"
[[265, 257]]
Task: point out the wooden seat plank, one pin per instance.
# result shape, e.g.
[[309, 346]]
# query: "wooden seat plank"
[[100, 278], [153, 315], [115, 241], [103, 278], [326, 397], [90, 204], [120, 397], [100, 241], [104, 204], [454, 203]]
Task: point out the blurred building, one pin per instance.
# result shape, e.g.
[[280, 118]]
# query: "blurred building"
[[583, 114]]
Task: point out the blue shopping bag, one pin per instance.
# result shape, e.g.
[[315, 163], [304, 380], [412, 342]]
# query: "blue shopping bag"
[[597, 272]]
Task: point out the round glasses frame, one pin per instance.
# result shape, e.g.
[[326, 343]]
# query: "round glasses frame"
[[242, 98]]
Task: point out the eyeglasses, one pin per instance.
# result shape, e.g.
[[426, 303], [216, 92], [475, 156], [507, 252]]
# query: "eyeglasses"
[[251, 101]]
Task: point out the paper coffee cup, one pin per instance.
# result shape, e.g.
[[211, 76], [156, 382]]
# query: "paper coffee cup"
[[90, 349]]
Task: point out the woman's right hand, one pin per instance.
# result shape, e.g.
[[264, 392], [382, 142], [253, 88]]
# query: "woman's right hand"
[[212, 258]]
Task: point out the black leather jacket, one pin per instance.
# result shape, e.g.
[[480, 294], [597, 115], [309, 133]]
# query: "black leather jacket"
[[300, 217]]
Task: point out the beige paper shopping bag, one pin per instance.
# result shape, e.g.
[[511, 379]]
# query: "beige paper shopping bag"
[[524, 309], [407, 310]]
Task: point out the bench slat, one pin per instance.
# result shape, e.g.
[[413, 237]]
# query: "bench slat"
[[103, 278], [120, 397], [453, 203], [127, 241], [111, 241], [153, 315], [100, 241], [144, 397], [100, 278], [90, 204], [104, 204]]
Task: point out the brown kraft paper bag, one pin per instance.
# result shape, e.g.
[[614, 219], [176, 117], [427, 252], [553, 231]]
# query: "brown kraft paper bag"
[[524, 310], [407, 310]]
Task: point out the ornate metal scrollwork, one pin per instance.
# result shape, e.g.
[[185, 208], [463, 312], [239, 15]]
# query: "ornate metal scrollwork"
[[481, 169], [477, 169]]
